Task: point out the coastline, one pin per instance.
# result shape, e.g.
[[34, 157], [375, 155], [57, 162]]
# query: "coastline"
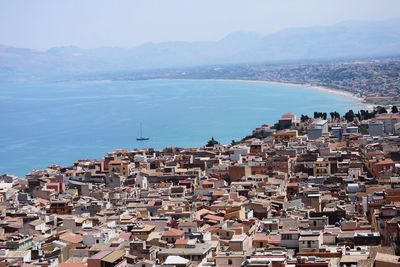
[[325, 89], [20, 151]]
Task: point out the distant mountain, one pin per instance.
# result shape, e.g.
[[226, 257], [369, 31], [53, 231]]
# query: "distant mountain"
[[346, 39]]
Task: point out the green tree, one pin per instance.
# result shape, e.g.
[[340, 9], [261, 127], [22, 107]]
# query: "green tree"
[[276, 126], [395, 110], [358, 115], [335, 115], [363, 129], [321, 115], [212, 142], [304, 118], [369, 115], [363, 114], [349, 116], [380, 110]]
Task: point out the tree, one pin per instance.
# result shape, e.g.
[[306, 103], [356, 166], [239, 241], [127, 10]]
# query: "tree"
[[349, 116], [212, 142], [276, 126], [358, 115], [395, 110], [363, 129], [335, 115], [304, 118], [363, 114], [321, 115], [380, 110], [366, 115]]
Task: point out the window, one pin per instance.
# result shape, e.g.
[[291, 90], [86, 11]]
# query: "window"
[[229, 262]]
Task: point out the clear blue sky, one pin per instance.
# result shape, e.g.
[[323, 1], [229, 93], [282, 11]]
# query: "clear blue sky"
[[42, 24]]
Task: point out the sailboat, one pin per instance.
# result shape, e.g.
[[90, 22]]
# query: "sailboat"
[[141, 138]]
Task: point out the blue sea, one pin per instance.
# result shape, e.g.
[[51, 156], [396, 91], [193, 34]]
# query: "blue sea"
[[60, 122]]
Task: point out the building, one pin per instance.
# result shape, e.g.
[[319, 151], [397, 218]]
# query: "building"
[[340, 131], [285, 135], [318, 128], [108, 259], [376, 128], [237, 172], [389, 121], [195, 253], [290, 238], [386, 260], [287, 121], [310, 241], [321, 167]]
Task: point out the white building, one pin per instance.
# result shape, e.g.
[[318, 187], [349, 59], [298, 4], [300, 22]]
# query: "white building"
[[310, 241], [317, 129]]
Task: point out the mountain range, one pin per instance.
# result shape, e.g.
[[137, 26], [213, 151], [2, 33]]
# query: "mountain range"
[[345, 39]]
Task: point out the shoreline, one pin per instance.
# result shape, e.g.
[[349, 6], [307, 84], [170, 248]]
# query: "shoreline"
[[325, 89]]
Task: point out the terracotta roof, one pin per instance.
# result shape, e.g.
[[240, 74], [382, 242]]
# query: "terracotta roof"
[[71, 238], [181, 242], [173, 232], [382, 257], [125, 235], [218, 193], [260, 237], [388, 116], [100, 255], [198, 214], [113, 256], [212, 228], [16, 225], [274, 239], [214, 217]]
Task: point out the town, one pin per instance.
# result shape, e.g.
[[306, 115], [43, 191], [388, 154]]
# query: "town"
[[373, 79], [304, 192]]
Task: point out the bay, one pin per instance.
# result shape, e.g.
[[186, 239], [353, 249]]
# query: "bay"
[[59, 122]]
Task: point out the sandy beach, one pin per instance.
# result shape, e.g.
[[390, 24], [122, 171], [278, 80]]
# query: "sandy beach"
[[325, 89]]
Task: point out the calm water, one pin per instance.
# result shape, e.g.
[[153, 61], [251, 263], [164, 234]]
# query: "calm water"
[[57, 123]]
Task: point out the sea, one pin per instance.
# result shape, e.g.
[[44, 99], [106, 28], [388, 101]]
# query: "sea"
[[45, 123]]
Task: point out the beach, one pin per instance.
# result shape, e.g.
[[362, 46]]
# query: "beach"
[[324, 89]]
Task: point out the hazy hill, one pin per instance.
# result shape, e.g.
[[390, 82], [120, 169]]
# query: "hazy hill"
[[347, 39]]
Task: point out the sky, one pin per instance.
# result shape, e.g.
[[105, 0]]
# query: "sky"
[[42, 24]]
